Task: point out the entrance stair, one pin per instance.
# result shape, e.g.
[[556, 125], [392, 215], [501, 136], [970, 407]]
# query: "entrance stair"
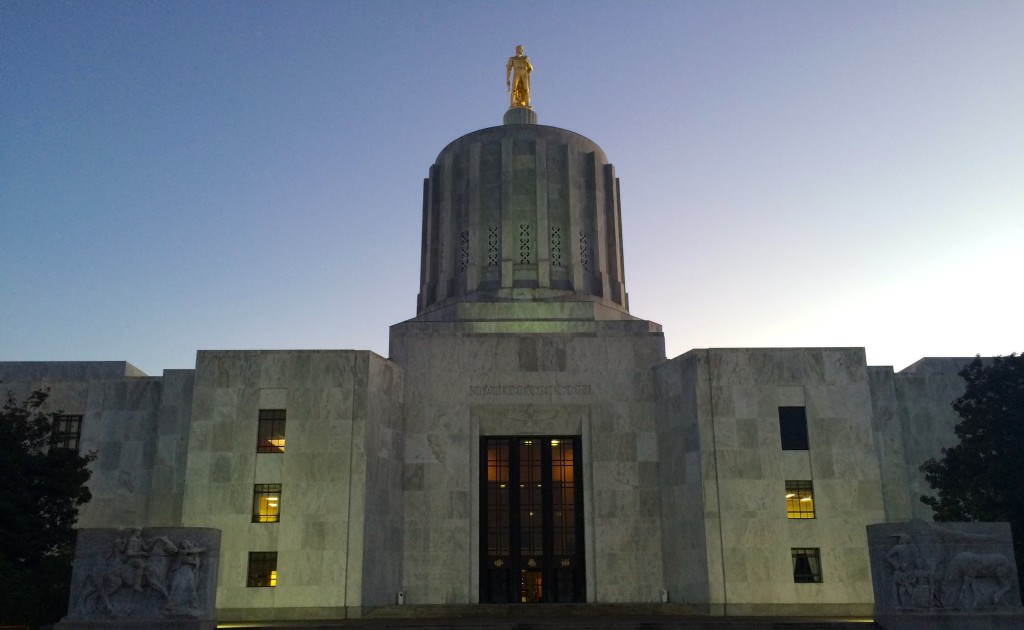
[[570, 617]]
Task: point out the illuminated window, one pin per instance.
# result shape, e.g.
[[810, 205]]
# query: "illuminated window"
[[266, 503], [531, 521], [66, 432], [262, 568], [799, 499], [270, 437], [793, 428], [806, 565]]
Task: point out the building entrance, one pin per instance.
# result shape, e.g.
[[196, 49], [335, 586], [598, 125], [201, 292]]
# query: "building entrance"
[[531, 520]]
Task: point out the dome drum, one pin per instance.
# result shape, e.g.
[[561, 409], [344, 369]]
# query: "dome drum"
[[521, 213]]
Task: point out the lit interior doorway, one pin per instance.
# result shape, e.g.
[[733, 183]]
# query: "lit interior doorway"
[[531, 520]]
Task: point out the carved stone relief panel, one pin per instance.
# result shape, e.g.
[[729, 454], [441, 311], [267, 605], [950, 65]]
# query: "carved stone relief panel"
[[136, 576], [943, 568]]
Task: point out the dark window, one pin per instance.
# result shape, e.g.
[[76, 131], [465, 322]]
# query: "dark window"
[[270, 438], [793, 427], [262, 568], [806, 565], [266, 503], [799, 499], [66, 432]]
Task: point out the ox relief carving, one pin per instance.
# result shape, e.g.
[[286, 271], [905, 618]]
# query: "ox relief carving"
[[161, 574], [921, 567]]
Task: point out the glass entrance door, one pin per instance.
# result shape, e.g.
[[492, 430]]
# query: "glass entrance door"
[[531, 520]]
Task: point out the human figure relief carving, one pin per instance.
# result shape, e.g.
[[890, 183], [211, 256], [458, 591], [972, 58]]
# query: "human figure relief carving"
[[911, 578], [143, 577], [185, 579]]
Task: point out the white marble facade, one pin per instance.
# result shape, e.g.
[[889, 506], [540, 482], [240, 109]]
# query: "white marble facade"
[[683, 473], [684, 478], [720, 423]]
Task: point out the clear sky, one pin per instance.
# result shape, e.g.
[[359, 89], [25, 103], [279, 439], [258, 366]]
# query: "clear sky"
[[183, 175]]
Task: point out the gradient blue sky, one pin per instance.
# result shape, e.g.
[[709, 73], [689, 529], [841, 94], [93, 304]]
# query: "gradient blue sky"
[[178, 176]]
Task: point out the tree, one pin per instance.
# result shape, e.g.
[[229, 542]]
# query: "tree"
[[41, 487], [982, 477]]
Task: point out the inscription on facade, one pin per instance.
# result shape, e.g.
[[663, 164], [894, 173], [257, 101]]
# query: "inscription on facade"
[[530, 390]]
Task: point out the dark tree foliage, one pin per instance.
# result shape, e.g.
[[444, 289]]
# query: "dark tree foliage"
[[982, 477], [41, 489]]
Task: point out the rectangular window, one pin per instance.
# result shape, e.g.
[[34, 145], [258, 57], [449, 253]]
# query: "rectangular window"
[[266, 503], [262, 568], [807, 565], [67, 430], [793, 427], [799, 499], [270, 437]]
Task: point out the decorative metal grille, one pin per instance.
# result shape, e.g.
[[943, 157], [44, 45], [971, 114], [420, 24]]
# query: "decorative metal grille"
[[556, 246], [266, 503], [799, 499], [464, 251], [524, 244], [584, 252], [806, 565], [492, 246], [531, 520], [262, 568], [270, 434], [67, 431]]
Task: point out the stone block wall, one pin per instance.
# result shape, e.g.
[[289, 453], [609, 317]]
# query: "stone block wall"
[[920, 420], [687, 494], [382, 528], [319, 539], [136, 425], [748, 535], [462, 386]]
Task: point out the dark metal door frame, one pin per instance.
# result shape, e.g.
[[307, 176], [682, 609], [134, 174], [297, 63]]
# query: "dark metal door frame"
[[511, 557]]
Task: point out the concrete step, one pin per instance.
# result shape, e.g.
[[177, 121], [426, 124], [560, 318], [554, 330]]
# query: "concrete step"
[[617, 623], [568, 616]]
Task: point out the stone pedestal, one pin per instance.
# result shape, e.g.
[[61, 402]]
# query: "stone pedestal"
[[520, 116], [944, 575], [155, 578]]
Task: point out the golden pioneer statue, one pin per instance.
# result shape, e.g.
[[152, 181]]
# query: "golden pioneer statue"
[[518, 82]]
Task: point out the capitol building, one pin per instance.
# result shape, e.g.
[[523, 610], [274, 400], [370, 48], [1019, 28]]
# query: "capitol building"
[[526, 441]]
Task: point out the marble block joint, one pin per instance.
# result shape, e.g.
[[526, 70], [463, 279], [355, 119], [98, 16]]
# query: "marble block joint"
[[162, 577], [944, 575]]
